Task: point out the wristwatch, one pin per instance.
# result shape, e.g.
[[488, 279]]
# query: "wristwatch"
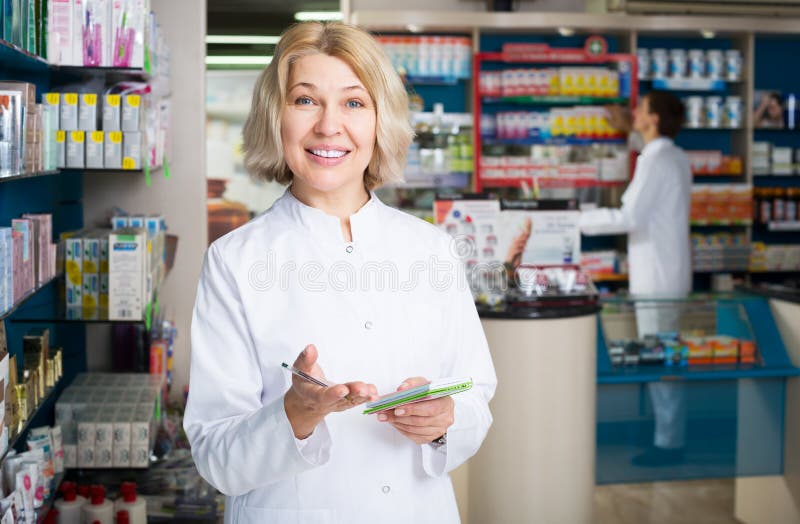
[[439, 442]]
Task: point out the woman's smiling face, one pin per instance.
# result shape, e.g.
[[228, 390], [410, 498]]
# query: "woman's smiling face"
[[327, 126]]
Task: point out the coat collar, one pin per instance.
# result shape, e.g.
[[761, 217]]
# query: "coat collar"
[[364, 223], [656, 145]]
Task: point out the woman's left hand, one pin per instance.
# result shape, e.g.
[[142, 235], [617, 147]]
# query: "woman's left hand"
[[424, 421]]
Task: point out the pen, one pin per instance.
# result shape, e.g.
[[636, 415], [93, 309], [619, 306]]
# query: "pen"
[[304, 376]]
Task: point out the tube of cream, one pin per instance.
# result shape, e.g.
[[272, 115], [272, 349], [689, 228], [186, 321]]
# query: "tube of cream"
[[26, 482]]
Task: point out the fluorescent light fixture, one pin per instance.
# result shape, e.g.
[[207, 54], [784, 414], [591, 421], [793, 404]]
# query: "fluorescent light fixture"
[[321, 16], [566, 31], [241, 39], [413, 28], [708, 34], [238, 60]]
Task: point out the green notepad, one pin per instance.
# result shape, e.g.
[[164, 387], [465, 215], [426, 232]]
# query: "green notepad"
[[442, 387]]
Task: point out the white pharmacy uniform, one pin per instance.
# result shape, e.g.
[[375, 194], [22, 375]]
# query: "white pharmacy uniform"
[[655, 215], [390, 305]]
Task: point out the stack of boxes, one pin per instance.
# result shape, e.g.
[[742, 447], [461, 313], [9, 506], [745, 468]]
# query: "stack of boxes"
[[27, 257], [776, 257], [109, 419], [769, 159], [722, 204], [86, 268], [80, 144], [27, 131], [117, 272]]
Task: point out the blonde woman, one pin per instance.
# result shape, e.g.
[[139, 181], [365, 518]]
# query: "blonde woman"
[[371, 298]]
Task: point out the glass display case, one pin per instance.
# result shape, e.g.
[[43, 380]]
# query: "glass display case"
[[702, 377]]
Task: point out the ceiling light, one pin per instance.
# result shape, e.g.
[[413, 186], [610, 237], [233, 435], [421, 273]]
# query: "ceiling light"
[[566, 31], [241, 39], [238, 60], [708, 34], [321, 16], [413, 28]]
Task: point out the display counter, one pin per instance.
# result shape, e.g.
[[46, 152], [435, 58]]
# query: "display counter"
[[537, 462], [776, 498]]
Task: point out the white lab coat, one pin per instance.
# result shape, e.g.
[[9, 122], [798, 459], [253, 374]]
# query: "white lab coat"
[[287, 279], [655, 215]]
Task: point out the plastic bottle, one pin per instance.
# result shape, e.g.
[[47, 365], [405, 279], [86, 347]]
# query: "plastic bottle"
[[123, 517], [69, 507], [128, 501], [98, 509]]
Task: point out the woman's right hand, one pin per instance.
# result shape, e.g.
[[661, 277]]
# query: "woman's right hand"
[[307, 404]]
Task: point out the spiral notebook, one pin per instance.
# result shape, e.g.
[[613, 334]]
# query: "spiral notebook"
[[442, 387]]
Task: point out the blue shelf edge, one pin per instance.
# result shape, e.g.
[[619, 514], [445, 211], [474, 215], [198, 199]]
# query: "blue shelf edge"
[[658, 374]]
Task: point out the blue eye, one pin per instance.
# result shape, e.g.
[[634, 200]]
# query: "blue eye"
[[303, 101], [354, 104]]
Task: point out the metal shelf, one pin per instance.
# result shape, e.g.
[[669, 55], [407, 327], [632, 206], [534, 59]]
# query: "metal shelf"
[[26, 297], [784, 226], [17, 59], [19, 176]]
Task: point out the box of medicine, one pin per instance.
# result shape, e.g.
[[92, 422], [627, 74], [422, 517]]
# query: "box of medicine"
[[68, 119], [87, 112], [53, 100], [73, 268], [122, 440], [91, 254], [91, 290], [112, 158], [60, 27], [76, 142], [127, 279], [136, 221], [95, 150], [87, 434], [132, 150], [153, 225], [61, 149], [130, 112], [111, 113], [119, 222], [70, 456], [104, 443]]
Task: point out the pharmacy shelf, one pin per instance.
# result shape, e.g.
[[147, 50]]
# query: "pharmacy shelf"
[[49, 398], [550, 183], [608, 277], [776, 181], [784, 226], [456, 180], [688, 128], [28, 175], [26, 297], [703, 85], [434, 80], [13, 58], [115, 171], [719, 223], [554, 100], [553, 141], [777, 129]]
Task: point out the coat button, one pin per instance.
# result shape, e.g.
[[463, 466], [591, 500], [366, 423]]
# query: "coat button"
[[368, 324], [386, 489], [349, 249]]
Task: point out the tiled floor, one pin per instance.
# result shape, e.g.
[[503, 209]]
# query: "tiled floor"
[[696, 502]]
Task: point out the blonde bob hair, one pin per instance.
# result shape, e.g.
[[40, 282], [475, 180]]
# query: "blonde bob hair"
[[263, 148]]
